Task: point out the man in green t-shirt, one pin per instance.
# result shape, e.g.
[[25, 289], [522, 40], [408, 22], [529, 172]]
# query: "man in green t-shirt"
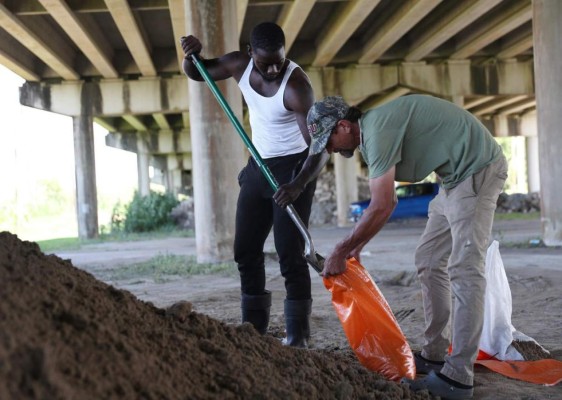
[[405, 140]]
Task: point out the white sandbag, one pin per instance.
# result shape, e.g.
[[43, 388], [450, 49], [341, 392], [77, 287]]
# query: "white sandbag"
[[497, 333]]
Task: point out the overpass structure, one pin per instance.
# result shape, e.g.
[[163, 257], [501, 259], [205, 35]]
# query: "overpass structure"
[[118, 63]]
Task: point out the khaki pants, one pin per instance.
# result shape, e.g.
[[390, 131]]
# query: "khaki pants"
[[450, 258]]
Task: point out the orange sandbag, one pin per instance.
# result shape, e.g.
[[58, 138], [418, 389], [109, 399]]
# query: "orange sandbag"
[[371, 329], [482, 355], [545, 372]]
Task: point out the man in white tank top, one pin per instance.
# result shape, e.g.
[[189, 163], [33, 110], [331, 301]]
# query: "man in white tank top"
[[278, 94]]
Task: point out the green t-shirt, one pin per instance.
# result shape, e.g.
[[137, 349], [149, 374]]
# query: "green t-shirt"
[[420, 134]]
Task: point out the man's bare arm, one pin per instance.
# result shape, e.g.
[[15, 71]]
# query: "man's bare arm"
[[383, 202], [299, 98]]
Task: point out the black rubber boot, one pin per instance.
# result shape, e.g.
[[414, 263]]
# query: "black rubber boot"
[[255, 310], [297, 322]]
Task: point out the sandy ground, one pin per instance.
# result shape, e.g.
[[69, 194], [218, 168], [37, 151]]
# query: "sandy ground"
[[534, 273]]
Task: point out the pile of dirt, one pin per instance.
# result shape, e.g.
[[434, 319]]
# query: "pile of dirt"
[[64, 334], [530, 350]]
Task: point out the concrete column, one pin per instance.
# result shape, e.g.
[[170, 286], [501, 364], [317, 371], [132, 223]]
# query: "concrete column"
[[174, 166], [218, 151], [85, 172], [517, 168], [345, 171], [143, 161], [547, 32], [533, 176], [458, 100], [142, 172], [173, 180]]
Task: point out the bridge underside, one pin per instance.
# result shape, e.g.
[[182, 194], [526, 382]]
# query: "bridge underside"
[[118, 63], [151, 116]]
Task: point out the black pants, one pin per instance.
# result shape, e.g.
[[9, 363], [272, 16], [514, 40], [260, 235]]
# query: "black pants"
[[256, 213]]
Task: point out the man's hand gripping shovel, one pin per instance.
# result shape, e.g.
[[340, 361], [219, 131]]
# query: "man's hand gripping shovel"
[[315, 260], [371, 329]]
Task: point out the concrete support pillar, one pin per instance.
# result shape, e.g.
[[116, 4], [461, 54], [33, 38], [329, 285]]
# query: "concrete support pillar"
[[173, 181], [547, 32], [345, 171], [142, 172], [517, 169], [533, 176], [143, 160], [218, 151], [458, 100], [85, 173]]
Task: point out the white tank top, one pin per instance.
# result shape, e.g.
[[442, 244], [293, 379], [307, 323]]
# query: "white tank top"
[[275, 131]]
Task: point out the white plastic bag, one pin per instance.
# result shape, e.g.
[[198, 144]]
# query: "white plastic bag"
[[497, 333]]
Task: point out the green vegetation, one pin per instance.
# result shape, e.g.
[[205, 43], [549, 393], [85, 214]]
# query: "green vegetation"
[[61, 244], [74, 243], [49, 213], [145, 217], [42, 211], [517, 216], [55, 200], [144, 213], [514, 150], [166, 267]]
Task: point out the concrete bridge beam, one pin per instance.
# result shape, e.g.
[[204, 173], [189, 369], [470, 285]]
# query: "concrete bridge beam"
[[109, 97]]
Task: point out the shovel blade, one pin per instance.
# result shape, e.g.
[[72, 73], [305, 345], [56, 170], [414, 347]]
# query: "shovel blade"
[[315, 260]]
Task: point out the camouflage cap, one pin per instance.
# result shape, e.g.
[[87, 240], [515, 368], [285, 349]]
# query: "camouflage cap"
[[321, 120]]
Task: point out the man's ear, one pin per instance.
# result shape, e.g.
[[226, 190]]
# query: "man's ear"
[[249, 48], [345, 124]]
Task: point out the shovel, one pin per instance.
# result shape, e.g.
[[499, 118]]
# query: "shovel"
[[315, 260]]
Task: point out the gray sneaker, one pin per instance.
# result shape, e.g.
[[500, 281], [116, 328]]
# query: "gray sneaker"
[[438, 387], [425, 366]]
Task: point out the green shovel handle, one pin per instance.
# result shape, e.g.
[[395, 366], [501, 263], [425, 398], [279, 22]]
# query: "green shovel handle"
[[314, 259], [216, 91]]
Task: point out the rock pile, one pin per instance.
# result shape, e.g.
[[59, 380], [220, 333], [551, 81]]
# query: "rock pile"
[[324, 206], [518, 202], [183, 214]]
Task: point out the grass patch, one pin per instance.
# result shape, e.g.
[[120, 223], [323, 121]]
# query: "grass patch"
[[166, 267], [517, 216], [74, 243], [61, 244], [131, 237], [530, 244]]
